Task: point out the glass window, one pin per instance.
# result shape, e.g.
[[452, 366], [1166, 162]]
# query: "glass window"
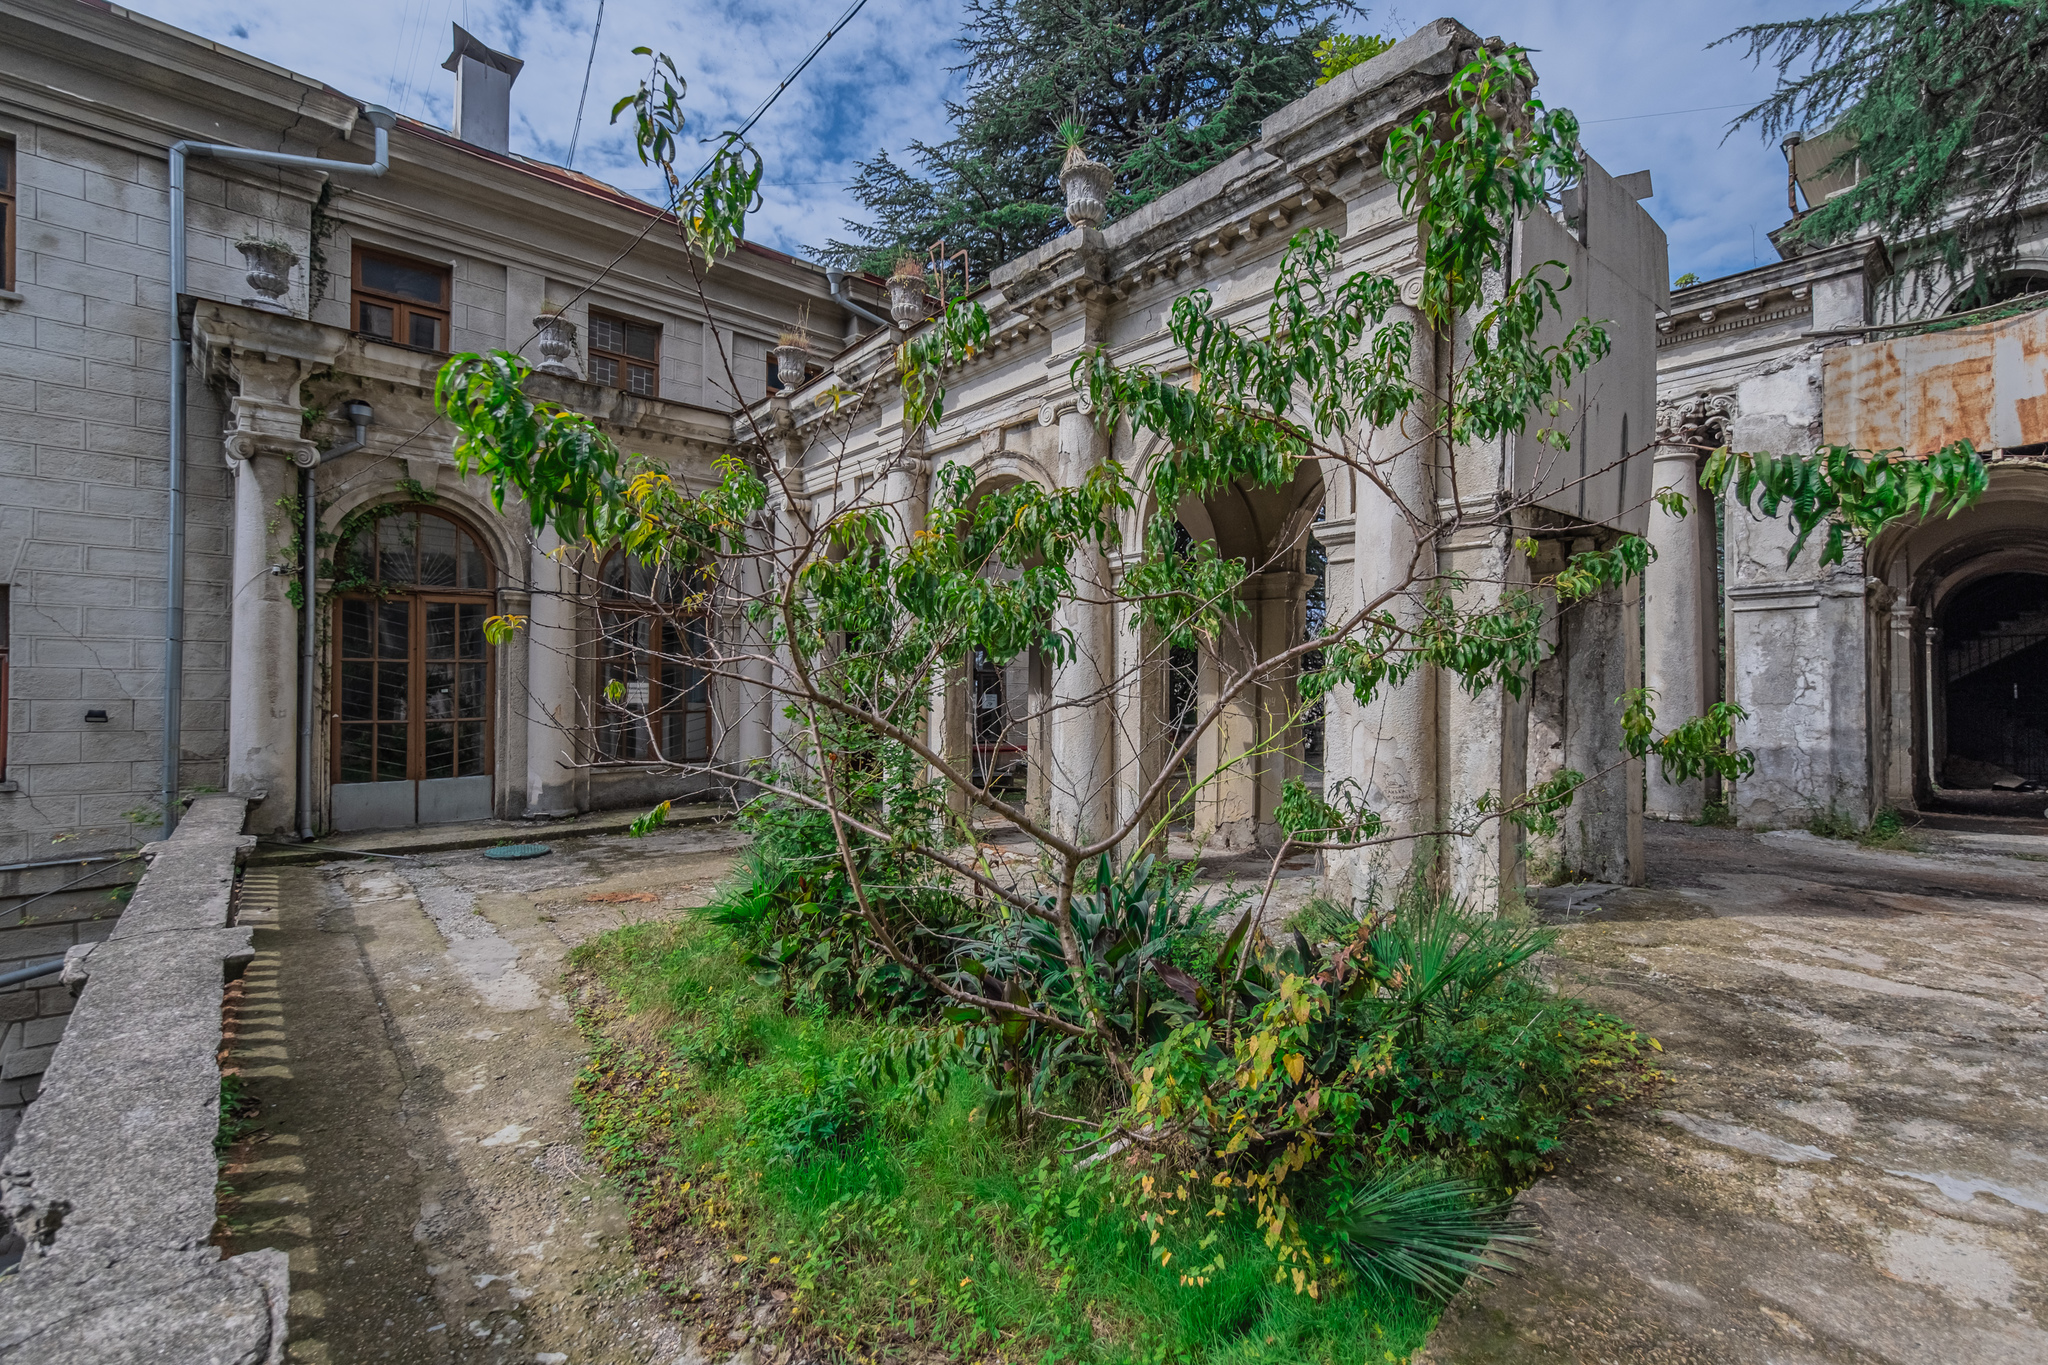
[[414, 549], [625, 354], [7, 219], [660, 710], [400, 300]]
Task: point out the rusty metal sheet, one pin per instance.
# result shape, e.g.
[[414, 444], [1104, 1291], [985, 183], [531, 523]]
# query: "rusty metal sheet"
[[1987, 384]]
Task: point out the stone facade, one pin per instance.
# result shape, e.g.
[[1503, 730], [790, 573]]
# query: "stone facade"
[[1840, 668], [91, 99], [1424, 750]]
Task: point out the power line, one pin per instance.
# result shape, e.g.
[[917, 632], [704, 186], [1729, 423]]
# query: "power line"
[[584, 98], [1703, 109]]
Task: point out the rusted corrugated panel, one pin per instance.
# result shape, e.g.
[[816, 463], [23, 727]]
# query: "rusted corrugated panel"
[[1987, 384]]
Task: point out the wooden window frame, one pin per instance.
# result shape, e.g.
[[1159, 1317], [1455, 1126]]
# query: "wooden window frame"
[[403, 309], [418, 598], [623, 362], [614, 610], [10, 216]]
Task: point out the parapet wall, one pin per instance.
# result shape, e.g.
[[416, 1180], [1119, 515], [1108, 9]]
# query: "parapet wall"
[[112, 1175]]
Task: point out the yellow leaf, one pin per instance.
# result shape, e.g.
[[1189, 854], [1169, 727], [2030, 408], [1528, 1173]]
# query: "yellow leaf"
[[1295, 1066], [969, 1280]]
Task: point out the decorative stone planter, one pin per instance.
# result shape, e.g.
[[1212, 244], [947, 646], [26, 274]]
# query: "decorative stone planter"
[[1087, 185], [790, 362], [270, 272], [906, 300], [557, 343]]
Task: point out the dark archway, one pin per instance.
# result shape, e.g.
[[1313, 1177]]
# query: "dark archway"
[[1994, 670]]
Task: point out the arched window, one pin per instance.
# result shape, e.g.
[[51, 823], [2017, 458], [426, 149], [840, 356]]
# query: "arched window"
[[654, 624], [412, 687]]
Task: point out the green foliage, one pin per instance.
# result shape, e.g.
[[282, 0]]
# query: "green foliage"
[[1592, 571], [1161, 90], [1340, 52], [1432, 1235], [900, 1220], [647, 824], [1468, 173], [1942, 108], [1701, 745], [1848, 490], [1685, 281]]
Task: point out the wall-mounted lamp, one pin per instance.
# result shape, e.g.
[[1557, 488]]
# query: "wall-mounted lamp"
[[95, 718]]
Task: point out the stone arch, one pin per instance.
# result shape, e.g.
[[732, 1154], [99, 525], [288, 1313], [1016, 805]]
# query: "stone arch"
[[1958, 599]]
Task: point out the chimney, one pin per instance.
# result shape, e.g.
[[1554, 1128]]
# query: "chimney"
[[483, 92]]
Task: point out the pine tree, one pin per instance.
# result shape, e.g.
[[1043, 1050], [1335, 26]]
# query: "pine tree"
[[1164, 89], [1943, 105]]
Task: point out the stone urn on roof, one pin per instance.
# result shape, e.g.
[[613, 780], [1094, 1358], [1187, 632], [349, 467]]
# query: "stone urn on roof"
[[1085, 180]]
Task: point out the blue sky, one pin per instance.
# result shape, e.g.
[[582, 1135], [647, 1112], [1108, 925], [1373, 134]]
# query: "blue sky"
[[1639, 74]]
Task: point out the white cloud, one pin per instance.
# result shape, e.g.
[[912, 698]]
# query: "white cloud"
[[883, 82]]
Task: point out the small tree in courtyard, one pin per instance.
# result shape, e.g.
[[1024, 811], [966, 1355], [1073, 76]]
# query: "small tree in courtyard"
[[1263, 1053]]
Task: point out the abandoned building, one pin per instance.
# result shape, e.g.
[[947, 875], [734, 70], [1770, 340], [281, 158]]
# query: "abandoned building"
[[1424, 750], [1909, 675], [314, 306]]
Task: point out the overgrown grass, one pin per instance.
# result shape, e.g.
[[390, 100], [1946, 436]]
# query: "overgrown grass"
[[906, 1225], [1887, 829]]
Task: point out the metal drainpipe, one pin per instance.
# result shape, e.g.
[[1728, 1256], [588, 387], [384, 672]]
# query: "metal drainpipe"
[[836, 277], [359, 415], [382, 120]]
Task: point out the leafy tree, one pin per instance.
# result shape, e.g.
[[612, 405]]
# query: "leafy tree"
[[850, 624], [1163, 89], [1943, 108]]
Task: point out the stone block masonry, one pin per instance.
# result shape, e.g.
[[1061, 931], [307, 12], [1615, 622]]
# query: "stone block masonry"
[[111, 1178]]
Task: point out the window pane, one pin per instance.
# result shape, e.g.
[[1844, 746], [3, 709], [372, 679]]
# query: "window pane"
[[469, 697], [469, 750], [396, 564], [394, 628], [642, 341], [604, 371], [437, 701], [408, 281], [440, 630], [606, 334], [391, 680], [469, 636], [355, 628], [374, 319], [357, 562], [440, 755], [425, 332], [437, 552], [356, 742], [391, 753], [476, 570], [358, 688], [640, 380]]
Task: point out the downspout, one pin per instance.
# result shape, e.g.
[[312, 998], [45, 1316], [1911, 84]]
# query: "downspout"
[[836, 277], [359, 415], [382, 120]]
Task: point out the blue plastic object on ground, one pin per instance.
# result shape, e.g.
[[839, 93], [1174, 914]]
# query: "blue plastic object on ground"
[[517, 851]]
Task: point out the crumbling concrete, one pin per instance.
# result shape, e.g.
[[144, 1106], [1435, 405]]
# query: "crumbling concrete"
[[1845, 1164], [112, 1176]]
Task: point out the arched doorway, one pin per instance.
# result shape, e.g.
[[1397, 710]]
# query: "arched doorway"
[[411, 713], [1994, 674]]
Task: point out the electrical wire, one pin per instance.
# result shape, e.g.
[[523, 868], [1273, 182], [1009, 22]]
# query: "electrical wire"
[[576, 133]]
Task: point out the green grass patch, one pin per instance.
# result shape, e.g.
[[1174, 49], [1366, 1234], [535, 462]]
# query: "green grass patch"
[[900, 1222]]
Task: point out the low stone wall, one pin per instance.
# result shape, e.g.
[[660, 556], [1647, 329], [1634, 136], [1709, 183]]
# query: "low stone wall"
[[111, 1178], [45, 912]]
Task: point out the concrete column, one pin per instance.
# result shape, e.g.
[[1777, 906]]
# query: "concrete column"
[[509, 798], [1678, 657], [1079, 758], [263, 665], [1279, 599], [551, 718], [1227, 806]]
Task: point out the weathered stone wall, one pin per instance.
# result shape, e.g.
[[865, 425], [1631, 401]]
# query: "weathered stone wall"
[[111, 1180], [40, 921]]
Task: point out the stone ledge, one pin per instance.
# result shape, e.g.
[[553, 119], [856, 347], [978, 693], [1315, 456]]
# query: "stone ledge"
[[111, 1178]]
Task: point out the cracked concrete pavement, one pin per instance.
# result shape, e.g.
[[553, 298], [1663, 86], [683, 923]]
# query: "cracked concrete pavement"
[[417, 1152], [1850, 1160]]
